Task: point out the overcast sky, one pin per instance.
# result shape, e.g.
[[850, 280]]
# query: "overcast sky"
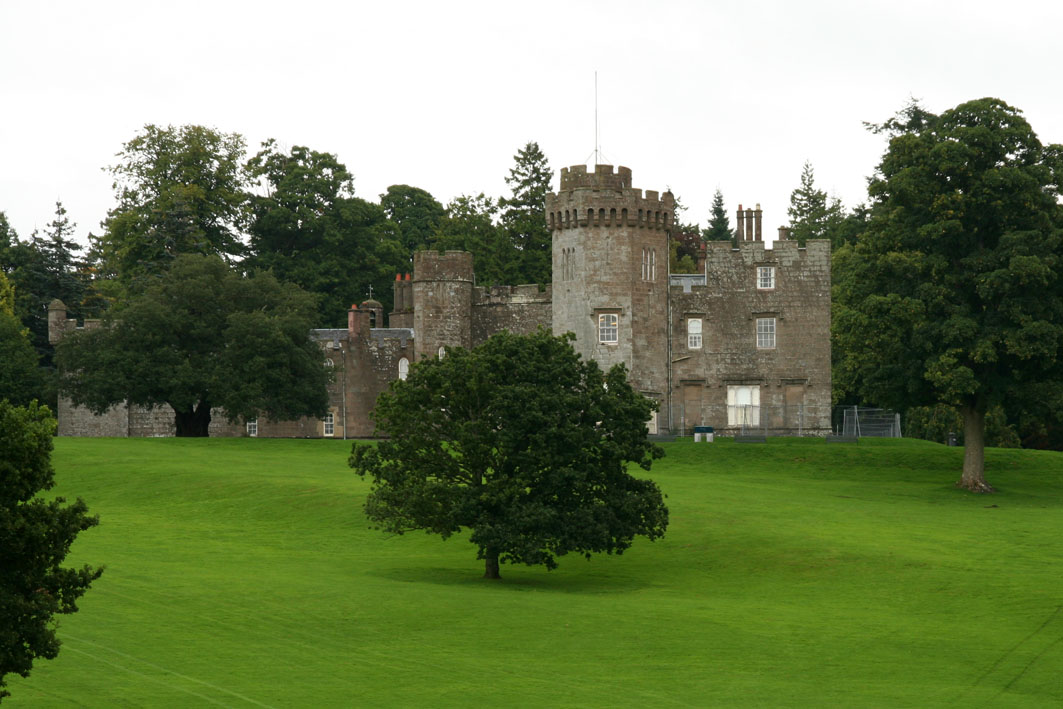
[[691, 95]]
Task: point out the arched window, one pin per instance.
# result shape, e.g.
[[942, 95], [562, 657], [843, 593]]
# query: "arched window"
[[329, 363], [694, 333], [404, 368], [442, 352]]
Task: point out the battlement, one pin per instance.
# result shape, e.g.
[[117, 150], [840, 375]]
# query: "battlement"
[[603, 178], [448, 266], [605, 198], [506, 295]]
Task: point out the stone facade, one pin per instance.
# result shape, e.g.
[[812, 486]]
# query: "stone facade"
[[744, 341]]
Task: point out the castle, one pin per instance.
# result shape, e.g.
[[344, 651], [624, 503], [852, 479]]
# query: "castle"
[[745, 341]]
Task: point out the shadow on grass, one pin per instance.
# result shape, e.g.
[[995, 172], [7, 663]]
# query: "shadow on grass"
[[519, 578]]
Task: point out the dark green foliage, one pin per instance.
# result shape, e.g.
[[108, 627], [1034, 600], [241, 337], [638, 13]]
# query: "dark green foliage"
[[524, 217], [35, 536], [954, 293], [202, 336], [521, 442], [311, 230], [935, 423], [719, 228], [812, 214], [415, 212], [470, 225], [20, 379], [40, 269], [179, 190]]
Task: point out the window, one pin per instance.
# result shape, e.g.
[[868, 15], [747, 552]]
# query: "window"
[[442, 352], [765, 277], [743, 405], [694, 333], [252, 428], [404, 368], [608, 328], [330, 424], [765, 333], [653, 264], [649, 264], [329, 363]]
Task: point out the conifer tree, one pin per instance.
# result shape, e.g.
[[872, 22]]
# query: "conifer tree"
[[812, 214], [719, 228], [524, 216]]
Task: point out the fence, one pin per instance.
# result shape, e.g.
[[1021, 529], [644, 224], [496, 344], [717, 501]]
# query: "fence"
[[860, 421], [746, 419]]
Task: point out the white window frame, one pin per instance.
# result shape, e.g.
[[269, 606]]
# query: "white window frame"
[[765, 333], [442, 352], [765, 277], [694, 330], [608, 328], [743, 405], [252, 428], [329, 425], [404, 368]]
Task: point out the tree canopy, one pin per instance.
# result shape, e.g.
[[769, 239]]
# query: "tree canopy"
[[202, 336], [415, 212], [954, 292], [179, 190], [310, 229], [35, 536], [522, 443]]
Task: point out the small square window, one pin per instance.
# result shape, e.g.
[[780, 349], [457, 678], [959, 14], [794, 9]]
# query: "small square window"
[[608, 328], [765, 333], [765, 277]]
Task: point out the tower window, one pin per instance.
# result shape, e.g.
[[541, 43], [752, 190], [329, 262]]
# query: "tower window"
[[694, 333], [765, 277], [608, 328], [404, 368], [765, 333], [653, 264]]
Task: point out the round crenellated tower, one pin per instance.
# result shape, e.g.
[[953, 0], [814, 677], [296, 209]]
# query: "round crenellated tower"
[[610, 271]]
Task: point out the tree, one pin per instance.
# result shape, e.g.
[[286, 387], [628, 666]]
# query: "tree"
[[35, 536], [812, 214], [524, 217], [415, 212], [202, 336], [684, 241], [719, 228], [470, 225], [179, 190], [19, 375], [521, 442], [311, 230], [954, 293]]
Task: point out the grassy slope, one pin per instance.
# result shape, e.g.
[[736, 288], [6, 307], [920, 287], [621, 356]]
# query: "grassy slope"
[[240, 572]]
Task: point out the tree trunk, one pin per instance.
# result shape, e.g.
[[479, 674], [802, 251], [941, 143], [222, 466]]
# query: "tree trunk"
[[194, 423], [974, 451], [491, 565]]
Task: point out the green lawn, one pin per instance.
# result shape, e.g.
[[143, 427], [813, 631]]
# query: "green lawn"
[[241, 572]]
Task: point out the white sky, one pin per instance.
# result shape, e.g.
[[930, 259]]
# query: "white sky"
[[441, 95]]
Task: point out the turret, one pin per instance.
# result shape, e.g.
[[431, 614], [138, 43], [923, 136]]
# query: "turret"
[[442, 301], [610, 265]]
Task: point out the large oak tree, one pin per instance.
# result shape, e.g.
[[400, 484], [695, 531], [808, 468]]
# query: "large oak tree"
[[202, 336], [954, 293], [522, 443]]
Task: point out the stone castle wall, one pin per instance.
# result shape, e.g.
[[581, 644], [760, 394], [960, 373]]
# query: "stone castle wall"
[[794, 373]]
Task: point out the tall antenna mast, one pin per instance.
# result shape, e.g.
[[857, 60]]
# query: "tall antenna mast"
[[597, 146]]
